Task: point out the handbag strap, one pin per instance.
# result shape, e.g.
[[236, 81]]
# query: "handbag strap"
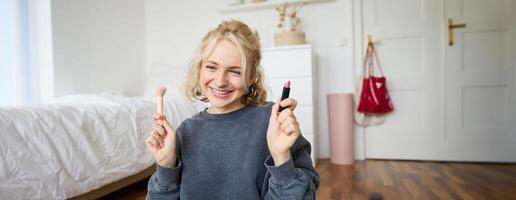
[[368, 70], [374, 54]]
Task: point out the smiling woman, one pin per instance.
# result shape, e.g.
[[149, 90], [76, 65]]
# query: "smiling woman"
[[244, 50], [222, 83], [240, 147]]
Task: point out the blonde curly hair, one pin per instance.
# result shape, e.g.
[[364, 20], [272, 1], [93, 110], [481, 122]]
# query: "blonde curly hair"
[[248, 42]]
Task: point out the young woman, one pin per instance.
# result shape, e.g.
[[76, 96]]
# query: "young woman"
[[240, 147]]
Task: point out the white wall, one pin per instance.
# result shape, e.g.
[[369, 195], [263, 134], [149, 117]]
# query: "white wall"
[[174, 28], [98, 46], [108, 45]]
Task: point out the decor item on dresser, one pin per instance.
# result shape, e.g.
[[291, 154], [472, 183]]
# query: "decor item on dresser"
[[291, 34], [236, 2], [297, 64]]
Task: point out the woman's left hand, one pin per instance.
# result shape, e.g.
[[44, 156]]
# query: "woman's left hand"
[[283, 131]]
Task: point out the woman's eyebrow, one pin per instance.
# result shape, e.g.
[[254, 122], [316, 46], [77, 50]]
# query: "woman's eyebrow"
[[212, 62], [215, 63]]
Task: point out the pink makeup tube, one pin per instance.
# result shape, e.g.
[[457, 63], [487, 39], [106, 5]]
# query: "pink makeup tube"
[[160, 92]]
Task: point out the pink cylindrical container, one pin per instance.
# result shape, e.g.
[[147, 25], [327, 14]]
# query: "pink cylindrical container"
[[340, 115]]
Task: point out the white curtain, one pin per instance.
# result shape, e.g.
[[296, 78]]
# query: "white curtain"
[[25, 59], [14, 73]]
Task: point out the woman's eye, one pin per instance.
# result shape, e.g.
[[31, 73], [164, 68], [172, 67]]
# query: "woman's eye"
[[210, 67], [235, 72]]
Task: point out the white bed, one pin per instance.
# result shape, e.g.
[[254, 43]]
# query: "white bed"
[[77, 143]]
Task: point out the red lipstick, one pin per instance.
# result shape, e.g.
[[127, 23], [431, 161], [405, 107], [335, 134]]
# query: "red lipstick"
[[284, 94]]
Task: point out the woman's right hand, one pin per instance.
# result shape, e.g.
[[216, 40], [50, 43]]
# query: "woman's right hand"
[[162, 142]]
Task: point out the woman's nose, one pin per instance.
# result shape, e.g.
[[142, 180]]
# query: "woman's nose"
[[221, 79]]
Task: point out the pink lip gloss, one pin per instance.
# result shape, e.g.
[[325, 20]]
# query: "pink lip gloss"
[[284, 94], [160, 92]]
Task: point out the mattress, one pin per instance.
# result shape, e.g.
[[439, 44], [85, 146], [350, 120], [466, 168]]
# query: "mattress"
[[77, 143]]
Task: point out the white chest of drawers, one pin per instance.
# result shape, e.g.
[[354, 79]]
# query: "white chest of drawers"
[[297, 64]]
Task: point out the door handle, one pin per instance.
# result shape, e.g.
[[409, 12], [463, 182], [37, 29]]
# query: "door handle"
[[452, 26]]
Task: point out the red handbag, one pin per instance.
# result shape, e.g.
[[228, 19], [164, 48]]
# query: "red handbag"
[[374, 98]]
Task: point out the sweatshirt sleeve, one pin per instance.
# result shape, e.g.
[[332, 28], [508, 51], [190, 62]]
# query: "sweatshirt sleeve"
[[165, 182], [294, 179]]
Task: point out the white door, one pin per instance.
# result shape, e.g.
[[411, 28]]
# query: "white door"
[[480, 72], [408, 49], [451, 102]]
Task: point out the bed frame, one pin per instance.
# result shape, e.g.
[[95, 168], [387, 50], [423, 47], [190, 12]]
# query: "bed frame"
[[114, 186]]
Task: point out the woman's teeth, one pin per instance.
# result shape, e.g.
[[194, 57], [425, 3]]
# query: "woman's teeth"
[[221, 92]]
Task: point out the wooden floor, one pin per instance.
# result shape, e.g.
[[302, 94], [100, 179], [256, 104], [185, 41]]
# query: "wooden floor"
[[416, 180], [137, 191], [399, 180]]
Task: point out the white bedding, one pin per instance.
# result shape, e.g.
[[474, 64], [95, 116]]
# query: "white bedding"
[[76, 144]]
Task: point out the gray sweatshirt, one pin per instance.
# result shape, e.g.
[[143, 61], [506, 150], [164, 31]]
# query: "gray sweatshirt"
[[225, 156]]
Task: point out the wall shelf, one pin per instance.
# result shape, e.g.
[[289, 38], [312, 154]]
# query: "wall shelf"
[[265, 5]]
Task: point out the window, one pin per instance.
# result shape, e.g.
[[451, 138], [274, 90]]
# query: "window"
[[24, 30]]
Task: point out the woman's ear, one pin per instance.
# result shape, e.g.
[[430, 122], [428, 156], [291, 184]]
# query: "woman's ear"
[[252, 79], [251, 83]]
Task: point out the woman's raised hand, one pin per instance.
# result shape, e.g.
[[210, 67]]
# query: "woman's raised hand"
[[162, 141], [283, 131], [162, 138]]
